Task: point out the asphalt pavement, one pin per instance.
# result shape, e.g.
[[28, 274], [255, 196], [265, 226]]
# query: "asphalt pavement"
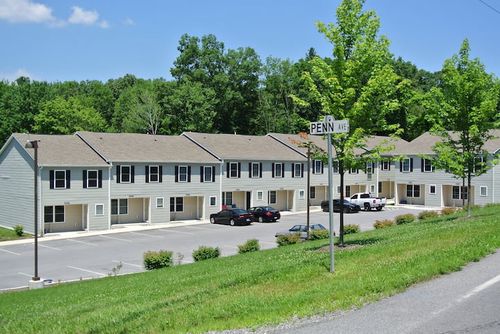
[[84, 257]]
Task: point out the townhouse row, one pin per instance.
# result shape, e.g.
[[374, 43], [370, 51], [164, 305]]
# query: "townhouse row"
[[91, 181]]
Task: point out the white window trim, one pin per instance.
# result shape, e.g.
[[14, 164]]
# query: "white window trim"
[[430, 187], [95, 209], [54, 214], [409, 165], [231, 164], [312, 192], [295, 170], [369, 168], [481, 189], [302, 194], [275, 196], [460, 193], [162, 202], [260, 195], [175, 204], [118, 207], [423, 167], [180, 174], [210, 201], [353, 170], [317, 167], [385, 168], [157, 174], [258, 168], [372, 188], [129, 174], [413, 190], [276, 165], [205, 174], [97, 179], [55, 178]]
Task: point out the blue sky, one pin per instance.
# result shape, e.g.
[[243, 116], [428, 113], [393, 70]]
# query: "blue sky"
[[89, 39]]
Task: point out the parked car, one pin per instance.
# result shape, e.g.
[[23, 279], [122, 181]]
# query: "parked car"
[[367, 201], [232, 216], [302, 229], [348, 206], [264, 214]]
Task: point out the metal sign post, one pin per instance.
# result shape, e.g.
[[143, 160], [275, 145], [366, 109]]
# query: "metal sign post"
[[329, 126]]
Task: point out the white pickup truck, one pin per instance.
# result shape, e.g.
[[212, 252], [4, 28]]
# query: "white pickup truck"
[[367, 201]]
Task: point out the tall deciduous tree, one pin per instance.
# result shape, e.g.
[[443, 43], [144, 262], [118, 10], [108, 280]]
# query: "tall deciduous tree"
[[358, 84], [464, 112]]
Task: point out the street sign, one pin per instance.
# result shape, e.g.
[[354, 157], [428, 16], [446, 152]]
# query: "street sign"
[[329, 125]]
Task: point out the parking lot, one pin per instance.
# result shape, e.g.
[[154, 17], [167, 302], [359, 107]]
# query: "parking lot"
[[96, 256]]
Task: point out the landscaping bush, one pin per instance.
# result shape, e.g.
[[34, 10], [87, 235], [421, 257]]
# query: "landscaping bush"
[[351, 228], [19, 230], [319, 234], [205, 253], [404, 219], [251, 245], [383, 223], [157, 259], [427, 215], [288, 239], [448, 211]]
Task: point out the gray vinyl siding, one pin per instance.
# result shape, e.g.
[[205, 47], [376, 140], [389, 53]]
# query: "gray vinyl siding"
[[16, 187]]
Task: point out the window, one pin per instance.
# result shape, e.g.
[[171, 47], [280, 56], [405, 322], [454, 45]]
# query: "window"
[[369, 168], [347, 191], [479, 164], [272, 197], [119, 206], [335, 166], [318, 167], [260, 195], [208, 174], [385, 165], [60, 179], [227, 198], [278, 169], [176, 204], [297, 170], [353, 171], [312, 192], [379, 187], [125, 174], [255, 170], [459, 192], [53, 214], [159, 202], [213, 200], [483, 191], [338, 189], [432, 189], [99, 209], [413, 190], [154, 174], [372, 188], [233, 169], [92, 179], [405, 166], [301, 194], [183, 174], [427, 166]]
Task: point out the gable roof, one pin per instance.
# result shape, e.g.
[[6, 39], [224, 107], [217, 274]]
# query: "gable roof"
[[60, 150], [134, 147], [243, 147]]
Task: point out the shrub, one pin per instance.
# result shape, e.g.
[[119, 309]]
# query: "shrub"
[[404, 219], [319, 234], [448, 211], [251, 245], [157, 259], [205, 253], [383, 223], [351, 228], [19, 230], [288, 239], [427, 215]]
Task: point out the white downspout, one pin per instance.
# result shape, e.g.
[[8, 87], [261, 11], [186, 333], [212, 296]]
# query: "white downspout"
[[493, 185], [220, 183], [41, 225], [377, 165], [110, 171]]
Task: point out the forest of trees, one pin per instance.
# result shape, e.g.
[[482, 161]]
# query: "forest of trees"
[[213, 89]]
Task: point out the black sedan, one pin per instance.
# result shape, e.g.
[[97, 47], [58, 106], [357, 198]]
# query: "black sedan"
[[264, 214], [232, 217], [348, 206]]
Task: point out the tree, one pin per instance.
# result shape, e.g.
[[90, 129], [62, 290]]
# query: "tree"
[[464, 113], [146, 115], [358, 84], [66, 116]]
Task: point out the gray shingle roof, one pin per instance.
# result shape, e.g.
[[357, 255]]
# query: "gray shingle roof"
[[133, 147], [242, 147], [61, 150]]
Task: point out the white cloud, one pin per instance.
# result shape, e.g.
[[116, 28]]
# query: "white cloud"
[[82, 16], [129, 22], [18, 11], [104, 24], [21, 72]]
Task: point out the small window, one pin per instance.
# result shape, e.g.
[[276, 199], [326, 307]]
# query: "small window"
[[159, 202], [233, 170], [125, 174], [60, 179], [154, 174], [406, 165], [272, 197], [176, 204], [92, 179], [372, 188], [353, 171], [255, 170], [99, 209], [54, 214], [432, 189], [338, 189], [483, 191], [427, 166], [335, 167], [278, 168], [183, 174], [297, 170], [318, 167], [385, 164], [369, 168], [301, 194], [207, 174], [260, 195], [312, 192], [213, 200]]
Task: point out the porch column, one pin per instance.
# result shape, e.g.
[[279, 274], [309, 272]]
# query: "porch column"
[[396, 195]]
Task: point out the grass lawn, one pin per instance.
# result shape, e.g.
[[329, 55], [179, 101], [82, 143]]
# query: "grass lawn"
[[8, 234], [257, 288]]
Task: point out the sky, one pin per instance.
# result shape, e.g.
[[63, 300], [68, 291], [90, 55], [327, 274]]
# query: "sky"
[[99, 40]]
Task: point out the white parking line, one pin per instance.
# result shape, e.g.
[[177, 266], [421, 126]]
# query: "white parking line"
[[147, 235], [8, 251], [113, 238], [49, 247], [175, 231], [82, 242], [481, 287], [24, 274], [88, 271], [200, 228], [128, 264]]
